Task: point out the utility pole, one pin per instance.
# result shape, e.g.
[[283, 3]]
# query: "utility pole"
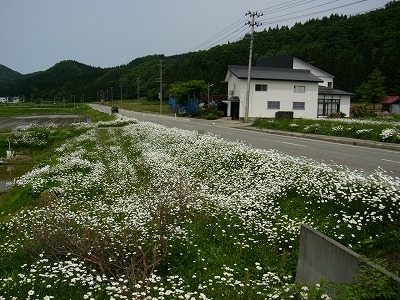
[[120, 85], [138, 82], [252, 23], [161, 85]]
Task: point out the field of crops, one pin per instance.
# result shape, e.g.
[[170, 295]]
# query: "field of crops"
[[147, 212]]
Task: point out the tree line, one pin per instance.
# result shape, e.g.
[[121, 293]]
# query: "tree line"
[[350, 48]]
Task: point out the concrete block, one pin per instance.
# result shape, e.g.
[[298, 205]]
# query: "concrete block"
[[320, 257]]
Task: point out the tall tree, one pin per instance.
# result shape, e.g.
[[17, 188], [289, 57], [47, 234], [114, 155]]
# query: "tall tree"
[[183, 91], [373, 90]]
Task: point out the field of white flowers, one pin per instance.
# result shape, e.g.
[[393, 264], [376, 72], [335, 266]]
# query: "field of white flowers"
[[148, 212]]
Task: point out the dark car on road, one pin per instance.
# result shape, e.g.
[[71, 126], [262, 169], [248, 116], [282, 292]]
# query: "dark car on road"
[[114, 109]]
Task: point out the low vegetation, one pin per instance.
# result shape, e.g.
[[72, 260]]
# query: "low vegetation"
[[135, 210], [383, 128]]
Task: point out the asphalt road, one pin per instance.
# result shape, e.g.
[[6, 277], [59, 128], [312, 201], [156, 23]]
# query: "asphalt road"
[[359, 158]]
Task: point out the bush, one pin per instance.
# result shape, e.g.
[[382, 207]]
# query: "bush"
[[359, 111], [211, 116]]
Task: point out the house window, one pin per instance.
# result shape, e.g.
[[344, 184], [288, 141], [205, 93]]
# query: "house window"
[[299, 89], [299, 105], [327, 107], [330, 84], [273, 105], [261, 87]]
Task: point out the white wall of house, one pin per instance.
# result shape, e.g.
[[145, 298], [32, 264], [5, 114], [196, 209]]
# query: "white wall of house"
[[345, 104], [282, 92], [395, 108], [326, 77]]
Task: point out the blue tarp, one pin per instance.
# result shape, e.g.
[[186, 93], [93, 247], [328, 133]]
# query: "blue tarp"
[[189, 107]]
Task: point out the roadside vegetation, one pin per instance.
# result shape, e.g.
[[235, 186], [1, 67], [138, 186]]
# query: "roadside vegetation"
[[211, 112], [135, 210], [382, 128], [141, 105]]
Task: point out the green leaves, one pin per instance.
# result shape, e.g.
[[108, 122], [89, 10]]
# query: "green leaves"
[[373, 90], [183, 91]]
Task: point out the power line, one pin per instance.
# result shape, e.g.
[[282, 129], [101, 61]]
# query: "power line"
[[218, 34], [233, 31], [309, 7], [285, 6], [312, 13]]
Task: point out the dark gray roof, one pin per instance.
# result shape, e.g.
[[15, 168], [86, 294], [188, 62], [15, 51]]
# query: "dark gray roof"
[[330, 91], [265, 73]]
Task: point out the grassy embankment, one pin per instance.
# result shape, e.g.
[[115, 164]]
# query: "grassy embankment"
[[133, 211], [142, 105], [383, 129]]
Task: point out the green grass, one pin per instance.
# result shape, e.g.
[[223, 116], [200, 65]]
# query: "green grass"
[[365, 129], [142, 105]]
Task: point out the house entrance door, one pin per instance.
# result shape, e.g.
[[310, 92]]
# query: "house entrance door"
[[235, 110]]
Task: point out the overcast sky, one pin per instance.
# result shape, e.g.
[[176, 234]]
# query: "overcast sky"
[[36, 34]]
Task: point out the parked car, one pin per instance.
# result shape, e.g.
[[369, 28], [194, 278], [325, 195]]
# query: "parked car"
[[114, 109]]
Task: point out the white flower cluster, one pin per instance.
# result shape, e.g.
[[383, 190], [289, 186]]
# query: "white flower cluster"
[[389, 133], [30, 138], [116, 192], [338, 128], [362, 131]]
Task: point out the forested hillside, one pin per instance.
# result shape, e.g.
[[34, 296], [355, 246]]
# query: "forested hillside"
[[6, 75], [349, 48]]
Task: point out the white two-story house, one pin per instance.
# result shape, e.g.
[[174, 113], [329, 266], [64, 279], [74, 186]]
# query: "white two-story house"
[[284, 83]]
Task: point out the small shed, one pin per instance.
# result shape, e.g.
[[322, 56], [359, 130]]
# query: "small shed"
[[391, 104]]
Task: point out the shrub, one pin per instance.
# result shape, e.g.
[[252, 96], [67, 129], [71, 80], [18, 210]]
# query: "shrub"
[[211, 116], [359, 111]]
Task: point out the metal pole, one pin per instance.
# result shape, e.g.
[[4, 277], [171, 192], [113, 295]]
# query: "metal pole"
[[138, 81], [161, 86]]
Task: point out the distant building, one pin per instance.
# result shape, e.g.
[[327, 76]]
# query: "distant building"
[[391, 104]]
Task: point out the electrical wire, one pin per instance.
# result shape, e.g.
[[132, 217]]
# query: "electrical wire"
[[309, 14], [234, 30]]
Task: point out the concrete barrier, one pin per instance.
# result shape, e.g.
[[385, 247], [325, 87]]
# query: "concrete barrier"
[[320, 257]]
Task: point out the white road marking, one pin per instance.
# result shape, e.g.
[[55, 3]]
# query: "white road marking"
[[393, 161], [287, 143]]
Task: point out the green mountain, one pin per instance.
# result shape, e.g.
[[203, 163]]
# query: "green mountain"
[[349, 48], [6, 77]]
